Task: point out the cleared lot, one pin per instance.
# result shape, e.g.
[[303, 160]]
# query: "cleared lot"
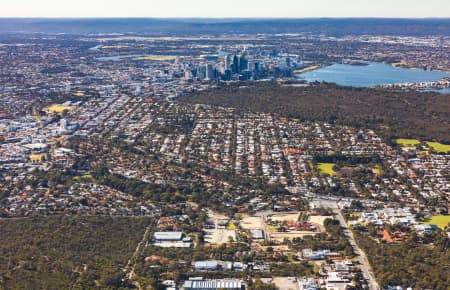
[[251, 223], [286, 283], [284, 217], [219, 236]]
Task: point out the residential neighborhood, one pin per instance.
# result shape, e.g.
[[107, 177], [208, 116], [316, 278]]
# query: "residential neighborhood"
[[104, 135]]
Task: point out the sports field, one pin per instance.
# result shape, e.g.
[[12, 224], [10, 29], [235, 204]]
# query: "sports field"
[[439, 220], [439, 147], [407, 142], [58, 109], [326, 168]]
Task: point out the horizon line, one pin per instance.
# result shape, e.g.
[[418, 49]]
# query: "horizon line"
[[222, 18]]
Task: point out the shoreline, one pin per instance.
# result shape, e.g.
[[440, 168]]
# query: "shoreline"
[[307, 69], [405, 65]]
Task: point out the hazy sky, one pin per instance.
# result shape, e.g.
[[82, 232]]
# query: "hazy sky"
[[225, 8]]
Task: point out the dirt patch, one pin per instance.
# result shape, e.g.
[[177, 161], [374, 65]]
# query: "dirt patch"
[[290, 235], [219, 236], [286, 283], [251, 223], [317, 219], [284, 217]]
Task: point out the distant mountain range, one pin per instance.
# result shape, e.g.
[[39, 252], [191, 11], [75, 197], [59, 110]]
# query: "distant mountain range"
[[196, 26]]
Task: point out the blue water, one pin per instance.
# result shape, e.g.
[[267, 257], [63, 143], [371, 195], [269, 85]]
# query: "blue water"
[[441, 91], [370, 75], [96, 48]]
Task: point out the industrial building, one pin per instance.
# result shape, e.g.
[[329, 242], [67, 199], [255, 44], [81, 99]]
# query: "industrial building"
[[168, 236], [229, 284], [206, 265], [171, 240]]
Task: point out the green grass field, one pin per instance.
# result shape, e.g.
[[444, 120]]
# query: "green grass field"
[[377, 169], [326, 168], [439, 220], [231, 226], [407, 142], [57, 109], [84, 177], [439, 147], [436, 146]]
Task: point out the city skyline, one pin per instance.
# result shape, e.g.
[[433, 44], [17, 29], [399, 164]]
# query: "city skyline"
[[229, 9]]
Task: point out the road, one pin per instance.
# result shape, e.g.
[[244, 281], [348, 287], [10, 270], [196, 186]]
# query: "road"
[[366, 269], [362, 258], [129, 268]]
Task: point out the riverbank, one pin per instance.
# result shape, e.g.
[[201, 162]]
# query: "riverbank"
[[404, 64], [307, 69]]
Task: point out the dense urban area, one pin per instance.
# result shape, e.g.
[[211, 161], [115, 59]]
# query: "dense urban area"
[[206, 161]]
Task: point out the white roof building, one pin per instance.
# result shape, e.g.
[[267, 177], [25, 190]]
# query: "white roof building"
[[168, 236], [230, 284]]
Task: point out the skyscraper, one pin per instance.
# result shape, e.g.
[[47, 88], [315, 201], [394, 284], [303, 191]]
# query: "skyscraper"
[[243, 63], [235, 65], [188, 74], [228, 61], [209, 72]]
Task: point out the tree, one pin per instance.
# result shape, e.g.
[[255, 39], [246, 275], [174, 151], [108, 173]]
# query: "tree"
[[357, 205], [259, 285]]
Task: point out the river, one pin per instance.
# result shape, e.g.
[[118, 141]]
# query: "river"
[[370, 75]]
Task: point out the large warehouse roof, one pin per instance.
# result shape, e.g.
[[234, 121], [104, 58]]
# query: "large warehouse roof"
[[213, 284], [168, 236]]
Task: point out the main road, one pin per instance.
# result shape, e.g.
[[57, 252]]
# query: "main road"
[[362, 258], [366, 269]]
